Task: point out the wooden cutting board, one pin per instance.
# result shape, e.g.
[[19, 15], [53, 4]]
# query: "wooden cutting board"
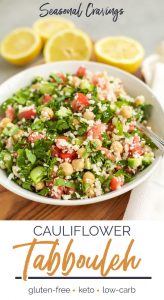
[[13, 207]]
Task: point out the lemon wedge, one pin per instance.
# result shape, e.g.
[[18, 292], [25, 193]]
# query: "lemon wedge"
[[121, 52], [71, 44], [46, 27], [21, 46]]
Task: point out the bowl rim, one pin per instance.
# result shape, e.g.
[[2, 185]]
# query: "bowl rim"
[[13, 187]]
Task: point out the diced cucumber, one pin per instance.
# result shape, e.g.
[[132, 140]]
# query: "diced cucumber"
[[113, 107], [2, 165], [37, 174], [5, 160], [147, 159], [147, 109], [63, 112], [68, 91], [8, 160], [119, 127], [85, 85], [87, 163], [10, 129], [134, 163], [79, 141], [47, 88]]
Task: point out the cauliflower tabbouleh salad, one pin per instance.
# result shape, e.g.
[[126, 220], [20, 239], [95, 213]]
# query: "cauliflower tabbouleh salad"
[[73, 136]]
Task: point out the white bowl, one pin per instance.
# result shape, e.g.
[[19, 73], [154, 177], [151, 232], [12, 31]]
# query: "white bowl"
[[133, 86]]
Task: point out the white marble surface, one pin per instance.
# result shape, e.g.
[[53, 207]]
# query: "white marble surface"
[[143, 20]]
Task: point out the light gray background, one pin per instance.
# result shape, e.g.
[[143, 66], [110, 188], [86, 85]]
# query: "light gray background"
[[143, 20]]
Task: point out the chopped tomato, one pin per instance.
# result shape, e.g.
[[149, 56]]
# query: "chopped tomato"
[[55, 151], [111, 127], [15, 154], [83, 99], [10, 112], [80, 102], [108, 153], [61, 76], [57, 192], [95, 132], [135, 148], [66, 155], [118, 167], [63, 137], [47, 98], [61, 142], [136, 139], [50, 183], [27, 114], [34, 136], [81, 72], [115, 183], [69, 190], [99, 81], [131, 127]]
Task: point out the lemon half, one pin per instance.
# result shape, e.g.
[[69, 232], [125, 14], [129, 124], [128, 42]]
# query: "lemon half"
[[46, 27], [71, 44], [120, 51], [21, 46]]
